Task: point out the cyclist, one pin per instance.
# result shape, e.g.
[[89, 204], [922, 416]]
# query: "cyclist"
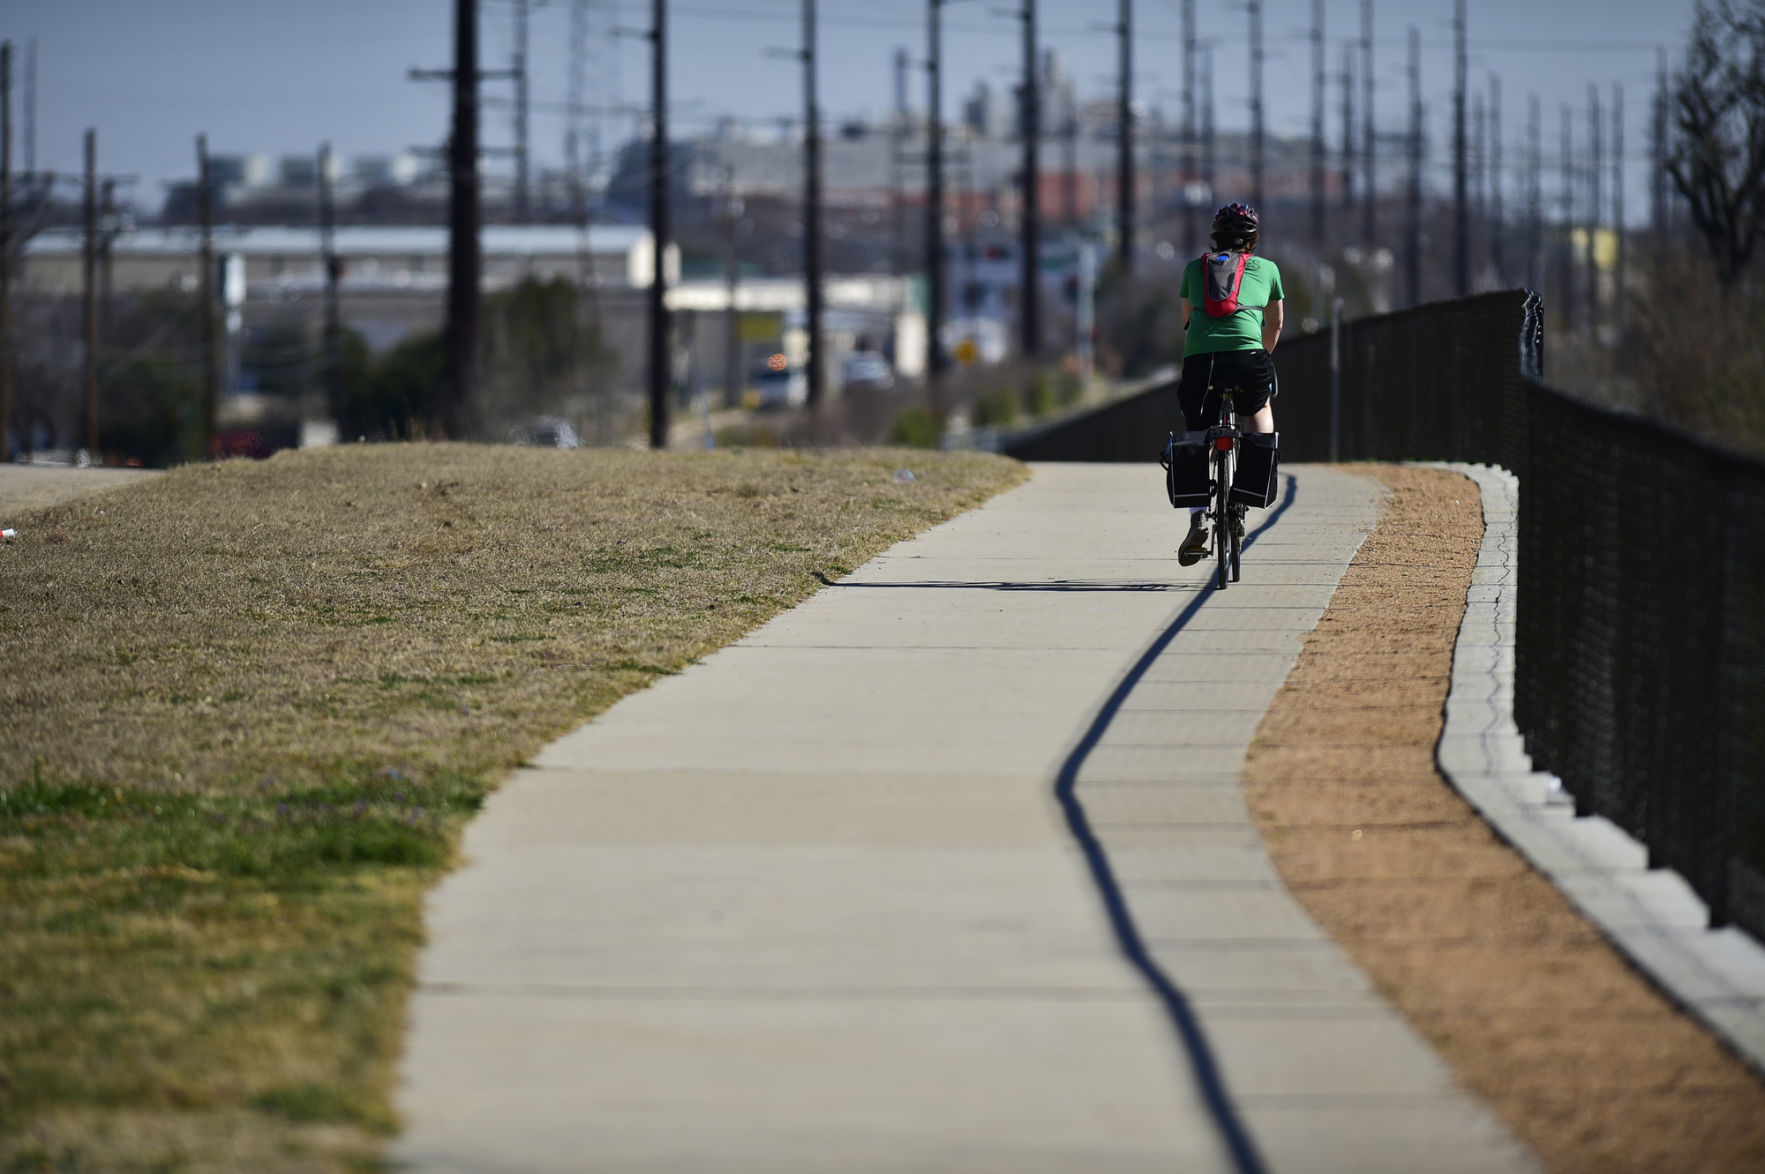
[[1232, 316]]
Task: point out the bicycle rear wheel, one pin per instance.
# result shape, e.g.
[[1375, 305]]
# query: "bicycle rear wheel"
[[1224, 543]]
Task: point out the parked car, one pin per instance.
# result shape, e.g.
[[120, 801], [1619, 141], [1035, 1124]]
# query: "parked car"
[[548, 432], [779, 385], [866, 371]]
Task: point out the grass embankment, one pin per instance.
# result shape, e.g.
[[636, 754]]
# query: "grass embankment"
[[247, 709]]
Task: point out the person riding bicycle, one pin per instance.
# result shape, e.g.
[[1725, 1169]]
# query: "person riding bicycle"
[[1232, 316]]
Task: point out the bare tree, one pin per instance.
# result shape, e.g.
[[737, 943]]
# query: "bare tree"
[[1717, 159]]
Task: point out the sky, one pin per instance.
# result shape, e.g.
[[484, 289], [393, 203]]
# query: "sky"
[[281, 77]]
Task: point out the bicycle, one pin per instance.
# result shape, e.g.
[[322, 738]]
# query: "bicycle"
[[1225, 515], [1214, 470]]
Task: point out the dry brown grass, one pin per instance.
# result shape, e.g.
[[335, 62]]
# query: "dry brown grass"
[[248, 707]]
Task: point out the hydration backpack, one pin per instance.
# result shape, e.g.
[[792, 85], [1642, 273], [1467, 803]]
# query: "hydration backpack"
[[1222, 274]]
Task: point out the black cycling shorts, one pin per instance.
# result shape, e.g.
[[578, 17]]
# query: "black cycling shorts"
[[1250, 374]]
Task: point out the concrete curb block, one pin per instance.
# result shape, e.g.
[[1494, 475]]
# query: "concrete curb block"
[[1653, 917]]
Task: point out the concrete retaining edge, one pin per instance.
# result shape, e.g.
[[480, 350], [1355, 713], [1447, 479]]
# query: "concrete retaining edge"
[[1652, 916]]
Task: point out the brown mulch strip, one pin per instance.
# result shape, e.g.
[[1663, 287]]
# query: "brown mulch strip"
[[1535, 1012]]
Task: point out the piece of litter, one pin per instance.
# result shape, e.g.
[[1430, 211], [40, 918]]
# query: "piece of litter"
[[8, 533], [904, 477]]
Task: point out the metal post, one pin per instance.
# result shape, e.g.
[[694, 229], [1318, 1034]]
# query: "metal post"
[[1336, 379], [658, 300]]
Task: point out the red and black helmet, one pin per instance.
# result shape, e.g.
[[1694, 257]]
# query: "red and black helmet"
[[1235, 223]]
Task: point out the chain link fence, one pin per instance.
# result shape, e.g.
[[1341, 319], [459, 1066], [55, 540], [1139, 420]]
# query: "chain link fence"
[[1640, 643]]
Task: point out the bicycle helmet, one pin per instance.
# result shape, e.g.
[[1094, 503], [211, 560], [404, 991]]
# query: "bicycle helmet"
[[1235, 226]]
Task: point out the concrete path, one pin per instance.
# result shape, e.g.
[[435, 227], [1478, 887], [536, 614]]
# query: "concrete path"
[[31, 487], [946, 869]]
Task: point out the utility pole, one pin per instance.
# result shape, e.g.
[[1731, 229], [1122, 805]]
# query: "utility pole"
[[732, 340], [1595, 205], [1191, 205], [898, 170], [106, 239], [1566, 210], [812, 262], [5, 251], [1069, 184], [523, 207], [1125, 137], [334, 392], [1319, 227], [1498, 216], [937, 361], [1030, 346], [659, 364], [1346, 80], [1461, 230], [1658, 149], [1256, 120], [211, 367], [459, 378], [1209, 143], [89, 295], [1618, 227], [1534, 194], [1479, 209], [1369, 189], [1412, 261], [573, 113], [30, 111]]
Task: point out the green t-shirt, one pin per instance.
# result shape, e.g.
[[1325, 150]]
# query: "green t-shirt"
[[1241, 331]]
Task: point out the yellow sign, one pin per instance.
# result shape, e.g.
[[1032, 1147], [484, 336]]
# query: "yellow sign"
[[758, 328], [967, 352]]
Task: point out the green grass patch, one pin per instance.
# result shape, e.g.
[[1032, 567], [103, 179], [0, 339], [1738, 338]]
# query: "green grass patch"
[[249, 708]]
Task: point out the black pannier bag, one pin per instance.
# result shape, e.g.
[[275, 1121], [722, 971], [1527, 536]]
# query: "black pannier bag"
[[1185, 468], [1254, 481]]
